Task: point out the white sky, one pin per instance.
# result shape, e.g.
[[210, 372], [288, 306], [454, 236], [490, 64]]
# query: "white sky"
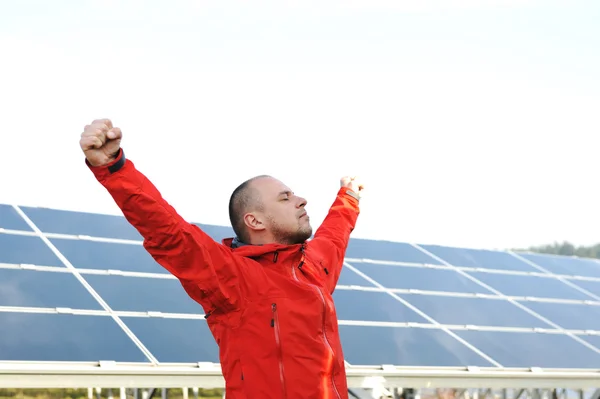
[[472, 123]]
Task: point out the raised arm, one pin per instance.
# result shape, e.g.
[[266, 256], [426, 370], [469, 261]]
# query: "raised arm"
[[332, 237], [208, 270]]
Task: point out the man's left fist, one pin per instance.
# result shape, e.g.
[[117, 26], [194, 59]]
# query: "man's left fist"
[[353, 183]]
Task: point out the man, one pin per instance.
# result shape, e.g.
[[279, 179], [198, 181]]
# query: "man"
[[267, 292]]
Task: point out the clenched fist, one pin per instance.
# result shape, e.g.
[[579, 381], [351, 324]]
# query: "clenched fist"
[[100, 142], [353, 183]]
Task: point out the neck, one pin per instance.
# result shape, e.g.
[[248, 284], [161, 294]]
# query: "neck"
[[262, 241]]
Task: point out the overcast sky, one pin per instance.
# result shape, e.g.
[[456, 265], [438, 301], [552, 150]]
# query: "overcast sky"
[[472, 122]]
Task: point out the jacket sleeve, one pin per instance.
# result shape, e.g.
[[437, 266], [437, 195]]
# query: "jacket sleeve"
[[209, 272], [332, 237]]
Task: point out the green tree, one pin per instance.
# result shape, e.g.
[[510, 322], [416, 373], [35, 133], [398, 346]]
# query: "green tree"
[[568, 249]]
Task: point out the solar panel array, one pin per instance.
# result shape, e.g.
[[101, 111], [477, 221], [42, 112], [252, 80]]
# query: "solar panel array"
[[80, 287]]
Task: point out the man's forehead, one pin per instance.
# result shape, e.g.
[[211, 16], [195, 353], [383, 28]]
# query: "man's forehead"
[[271, 186]]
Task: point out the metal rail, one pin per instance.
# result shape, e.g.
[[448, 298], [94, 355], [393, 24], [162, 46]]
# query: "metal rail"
[[208, 375]]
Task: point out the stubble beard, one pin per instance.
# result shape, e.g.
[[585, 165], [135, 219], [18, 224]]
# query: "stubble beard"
[[298, 236]]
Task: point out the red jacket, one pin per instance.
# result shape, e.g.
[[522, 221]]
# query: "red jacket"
[[269, 307]]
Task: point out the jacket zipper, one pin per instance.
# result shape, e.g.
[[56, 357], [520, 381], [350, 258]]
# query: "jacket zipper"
[[324, 337], [327, 340], [275, 325]]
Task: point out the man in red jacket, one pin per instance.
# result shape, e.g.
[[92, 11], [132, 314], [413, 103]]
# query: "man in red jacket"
[[266, 292]]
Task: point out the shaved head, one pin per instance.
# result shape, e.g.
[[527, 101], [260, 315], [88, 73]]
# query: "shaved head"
[[245, 198], [264, 210]]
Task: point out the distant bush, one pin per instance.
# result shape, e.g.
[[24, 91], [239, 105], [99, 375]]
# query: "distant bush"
[[567, 249]]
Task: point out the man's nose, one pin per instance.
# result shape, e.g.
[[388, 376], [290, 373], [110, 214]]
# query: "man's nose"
[[301, 202]]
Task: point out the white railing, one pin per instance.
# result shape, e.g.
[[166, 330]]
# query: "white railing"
[[208, 375]]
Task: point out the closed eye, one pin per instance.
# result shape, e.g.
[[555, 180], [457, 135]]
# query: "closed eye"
[[285, 195]]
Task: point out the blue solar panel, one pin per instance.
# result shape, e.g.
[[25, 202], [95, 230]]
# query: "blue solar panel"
[[368, 345], [593, 287], [419, 278], [566, 265], [385, 250], [477, 311], [18, 249], [143, 294], [373, 306], [10, 219], [568, 315], [80, 223], [526, 285], [592, 339], [217, 233], [348, 277], [86, 254], [39, 336], [63, 337], [479, 258], [175, 340], [32, 288], [532, 349]]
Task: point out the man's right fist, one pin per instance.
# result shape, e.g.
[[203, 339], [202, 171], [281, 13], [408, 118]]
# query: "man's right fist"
[[353, 183], [100, 142]]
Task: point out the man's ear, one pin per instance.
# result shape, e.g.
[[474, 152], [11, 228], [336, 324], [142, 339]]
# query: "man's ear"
[[254, 222]]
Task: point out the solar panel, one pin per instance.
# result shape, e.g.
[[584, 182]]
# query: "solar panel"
[[478, 258], [590, 286], [386, 250], [532, 350], [32, 288], [143, 294], [17, 249], [370, 345], [442, 279], [64, 337], [96, 255], [10, 219], [86, 290], [373, 306], [529, 286], [189, 340], [81, 223], [566, 265]]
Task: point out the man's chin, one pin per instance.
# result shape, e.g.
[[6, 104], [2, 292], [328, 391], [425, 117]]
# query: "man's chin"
[[303, 235]]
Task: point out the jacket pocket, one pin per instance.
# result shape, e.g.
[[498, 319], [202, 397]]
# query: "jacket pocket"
[[277, 335], [241, 370]]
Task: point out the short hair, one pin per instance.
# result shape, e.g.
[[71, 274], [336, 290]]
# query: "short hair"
[[243, 199]]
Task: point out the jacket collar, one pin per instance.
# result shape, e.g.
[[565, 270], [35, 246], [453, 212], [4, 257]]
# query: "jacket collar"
[[249, 250]]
